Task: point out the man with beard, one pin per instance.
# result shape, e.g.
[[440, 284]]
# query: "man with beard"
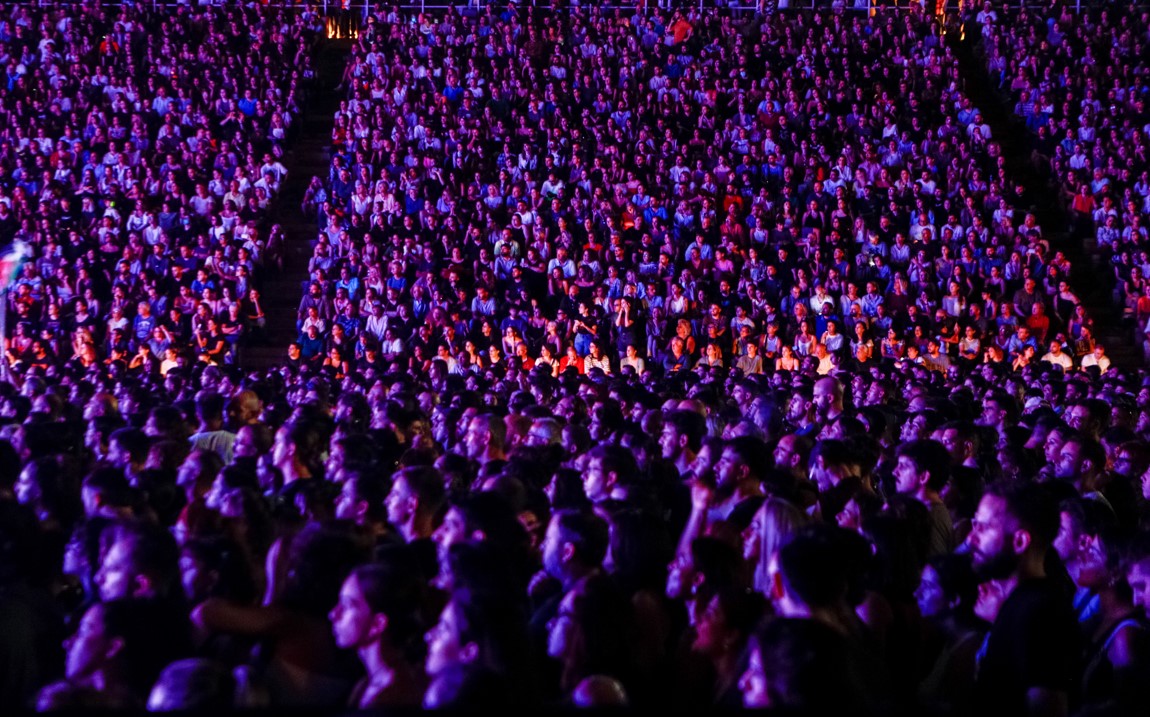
[[827, 398], [1028, 664]]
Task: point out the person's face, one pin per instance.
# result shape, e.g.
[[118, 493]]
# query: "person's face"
[[905, 475], [680, 574], [823, 397], [727, 469], [347, 502], [797, 409], [669, 443], [993, 538], [352, 622], [27, 490], [785, 452], [1077, 416], [398, 502], [1066, 541], [453, 530], [929, 595], [1069, 463], [753, 682], [443, 642], [561, 628], [476, 439], [596, 481], [89, 649], [1138, 576], [117, 577], [1052, 447]]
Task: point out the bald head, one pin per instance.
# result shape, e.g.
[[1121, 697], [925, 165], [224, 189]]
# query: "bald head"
[[600, 691]]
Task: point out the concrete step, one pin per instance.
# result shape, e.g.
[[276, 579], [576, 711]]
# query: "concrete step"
[[310, 157]]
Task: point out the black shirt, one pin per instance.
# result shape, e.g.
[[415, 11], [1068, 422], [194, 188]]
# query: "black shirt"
[[1034, 643]]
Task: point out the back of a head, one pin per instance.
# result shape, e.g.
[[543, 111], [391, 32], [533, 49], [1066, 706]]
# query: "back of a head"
[[152, 633], [618, 460], [193, 684], [210, 407], [814, 566], [498, 629], [810, 668], [490, 513], [321, 557], [600, 691], [391, 586], [468, 686]]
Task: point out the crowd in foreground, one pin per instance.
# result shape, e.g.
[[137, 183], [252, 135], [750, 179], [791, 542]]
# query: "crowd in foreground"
[[667, 360]]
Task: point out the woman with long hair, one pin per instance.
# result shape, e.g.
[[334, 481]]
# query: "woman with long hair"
[[378, 615]]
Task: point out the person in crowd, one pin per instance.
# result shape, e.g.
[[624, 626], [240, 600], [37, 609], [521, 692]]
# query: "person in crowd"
[[579, 368]]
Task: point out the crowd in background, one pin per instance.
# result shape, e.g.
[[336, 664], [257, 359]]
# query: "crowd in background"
[[1079, 84], [141, 157], [656, 358]]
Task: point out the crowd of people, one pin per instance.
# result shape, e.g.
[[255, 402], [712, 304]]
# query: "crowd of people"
[[141, 158], [1078, 83], [656, 358]]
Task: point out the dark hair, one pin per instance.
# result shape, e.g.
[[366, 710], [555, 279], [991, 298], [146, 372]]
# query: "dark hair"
[[819, 563], [132, 440], [616, 459], [479, 567], [228, 560], [1034, 507], [641, 547], [600, 643], [753, 453], [194, 684], [390, 587], [210, 406], [152, 551], [153, 635], [369, 488], [957, 580], [928, 456], [321, 558], [470, 687], [811, 667], [690, 424], [586, 532], [497, 627]]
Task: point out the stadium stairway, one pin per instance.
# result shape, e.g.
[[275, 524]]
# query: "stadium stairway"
[[309, 156], [1091, 281]]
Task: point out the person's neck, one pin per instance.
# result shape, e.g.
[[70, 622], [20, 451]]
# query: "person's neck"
[[1030, 567], [928, 497], [416, 528], [491, 454], [684, 461], [379, 661], [295, 471], [574, 573], [1112, 606], [743, 490]]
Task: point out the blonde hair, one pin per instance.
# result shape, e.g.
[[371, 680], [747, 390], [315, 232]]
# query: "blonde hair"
[[779, 521]]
